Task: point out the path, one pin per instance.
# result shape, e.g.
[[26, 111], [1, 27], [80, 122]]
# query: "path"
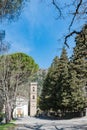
[[30, 123]]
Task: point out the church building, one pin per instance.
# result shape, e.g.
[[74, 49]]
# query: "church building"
[[27, 107]]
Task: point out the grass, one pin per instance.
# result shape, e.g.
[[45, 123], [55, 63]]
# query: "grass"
[[9, 126]]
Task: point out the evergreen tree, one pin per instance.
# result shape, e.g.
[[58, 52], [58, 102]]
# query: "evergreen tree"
[[77, 98], [80, 54], [55, 94], [63, 86], [54, 74], [58, 98], [78, 72], [48, 93]]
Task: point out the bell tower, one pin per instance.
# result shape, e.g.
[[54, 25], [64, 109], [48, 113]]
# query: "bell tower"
[[33, 98]]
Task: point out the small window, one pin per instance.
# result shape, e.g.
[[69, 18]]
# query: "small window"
[[33, 89], [33, 97]]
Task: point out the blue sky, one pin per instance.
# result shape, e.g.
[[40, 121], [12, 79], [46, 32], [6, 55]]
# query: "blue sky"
[[37, 33]]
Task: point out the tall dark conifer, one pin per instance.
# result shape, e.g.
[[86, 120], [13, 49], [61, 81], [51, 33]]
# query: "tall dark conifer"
[[77, 98], [78, 71], [80, 54], [55, 95], [63, 86], [47, 100]]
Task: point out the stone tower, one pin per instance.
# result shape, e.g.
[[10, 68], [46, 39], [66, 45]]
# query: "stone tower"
[[33, 98]]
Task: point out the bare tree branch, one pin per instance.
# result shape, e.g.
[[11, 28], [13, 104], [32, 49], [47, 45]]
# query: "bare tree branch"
[[69, 35], [78, 6], [57, 7], [75, 13]]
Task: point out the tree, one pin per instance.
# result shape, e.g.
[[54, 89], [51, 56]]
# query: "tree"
[[81, 44], [1, 101], [55, 90], [77, 97], [63, 87], [65, 84], [78, 72], [10, 9], [15, 70], [49, 81], [80, 56]]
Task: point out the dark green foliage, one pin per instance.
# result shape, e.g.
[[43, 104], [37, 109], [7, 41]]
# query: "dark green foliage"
[[80, 54], [55, 94], [23, 62], [20, 65], [78, 70], [10, 9], [48, 95], [63, 81], [77, 96], [15, 70], [65, 86], [81, 44]]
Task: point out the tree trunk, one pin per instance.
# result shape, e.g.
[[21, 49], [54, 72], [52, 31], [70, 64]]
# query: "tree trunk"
[[7, 113], [12, 114]]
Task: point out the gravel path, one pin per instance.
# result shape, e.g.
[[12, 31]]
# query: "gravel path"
[[30, 123]]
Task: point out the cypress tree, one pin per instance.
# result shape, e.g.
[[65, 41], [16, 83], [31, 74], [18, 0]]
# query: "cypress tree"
[[55, 95], [78, 72], [77, 98], [63, 85], [48, 98]]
